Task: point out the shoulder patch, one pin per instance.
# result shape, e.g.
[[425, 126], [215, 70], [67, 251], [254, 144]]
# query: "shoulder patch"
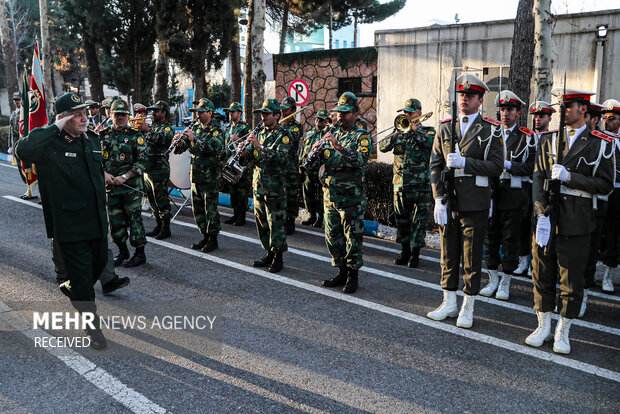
[[364, 142], [296, 129], [491, 121], [526, 131], [167, 129], [326, 153], [549, 132], [140, 140], [601, 135], [443, 121], [216, 133], [285, 140]]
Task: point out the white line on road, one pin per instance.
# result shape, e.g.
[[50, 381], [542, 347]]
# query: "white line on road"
[[8, 165]]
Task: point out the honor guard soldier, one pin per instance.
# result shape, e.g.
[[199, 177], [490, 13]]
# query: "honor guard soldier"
[[158, 138], [239, 191], [124, 161], [295, 133], [570, 171], [73, 198], [312, 188], [205, 141], [611, 226], [412, 191], [344, 153], [268, 151], [477, 159], [510, 196]]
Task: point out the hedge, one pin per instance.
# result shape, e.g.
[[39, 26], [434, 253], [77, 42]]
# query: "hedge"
[[4, 138]]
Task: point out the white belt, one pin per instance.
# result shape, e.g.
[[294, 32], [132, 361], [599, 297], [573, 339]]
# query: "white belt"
[[603, 197], [572, 192], [616, 185], [460, 172]]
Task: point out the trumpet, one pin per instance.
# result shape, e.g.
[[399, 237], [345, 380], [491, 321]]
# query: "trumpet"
[[177, 138], [303, 168], [402, 124], [281, 121], [134, 123], [233, 170]]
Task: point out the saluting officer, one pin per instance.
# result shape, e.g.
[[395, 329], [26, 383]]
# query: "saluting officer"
[[239, 191], [72, 189], [411, 181], [345, 155], [268, 151], [124, 161], [294, 132], [509, 196], [561, 249], [158, 138], [205, 141], [478, 159], [312, 188]]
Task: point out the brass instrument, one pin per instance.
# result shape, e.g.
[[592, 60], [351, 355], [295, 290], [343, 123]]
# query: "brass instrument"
[[233, 170], [402, 124], [303, 168], [281, 121], [135, 123]]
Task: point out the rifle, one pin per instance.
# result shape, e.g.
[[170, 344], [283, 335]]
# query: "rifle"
[[447, 175], [552, 186]]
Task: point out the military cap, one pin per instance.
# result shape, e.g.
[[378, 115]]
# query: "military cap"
[[508, 98], [163, 105], [288, 102], [203, 105], [346, 103], [322, 113], [611, 105], [541, 108], [469, 83], [412, 105], [17, 96], [138, 107], [68, 102], [572, 95], [106, 103], [270, 106], [120, 106], [595, 109], [235, 106], [91, 103]]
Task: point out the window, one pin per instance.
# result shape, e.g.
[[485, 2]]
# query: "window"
[[349, 85], [344, 44], [337, 44], [374, 85]]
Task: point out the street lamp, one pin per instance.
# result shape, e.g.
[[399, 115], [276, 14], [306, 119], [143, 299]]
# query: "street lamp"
[[601, 32]]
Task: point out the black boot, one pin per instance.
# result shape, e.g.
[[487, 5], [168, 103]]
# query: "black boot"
[[165, 230], [123, 254], [265, 261], [351, 285], [137, 259], [240, 220], [277, 264], [290, 226], [404, 255], [319, 222], [114, 284], [202, 243], [311, 220], [66, 291], [337, 280], [97, 340], [414, 260], [156, 229], [211, 245], [231, 219]]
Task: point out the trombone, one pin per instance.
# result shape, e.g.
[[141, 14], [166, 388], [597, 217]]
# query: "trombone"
[[134, 123], [402, 124]]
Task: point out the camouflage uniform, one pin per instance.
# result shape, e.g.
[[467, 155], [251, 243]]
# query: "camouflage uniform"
[[158, 172], [239, 191], [312, 189], [295, 132]]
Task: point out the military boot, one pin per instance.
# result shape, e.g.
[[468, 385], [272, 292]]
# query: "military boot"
[[338, 280], [264, 261], [211, 245], [202, 243], [310, 220], [156, 229], [277, 264], [404, 255], [240, 220], [123, 254], [137, 259], [414, 260], [231, 219], [352, 283], [319, 221], [114, 284], [290, 226], [97, 340], [165, 230]]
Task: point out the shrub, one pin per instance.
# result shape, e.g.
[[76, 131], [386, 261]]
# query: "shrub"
[[379, 193], [4, 138]]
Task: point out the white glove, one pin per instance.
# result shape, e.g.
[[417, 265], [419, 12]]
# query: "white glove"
[[558, 172], [491, 209], [441, 212], [455, 160], [9, 150], [60, 123], [507, 165], [543, 230]]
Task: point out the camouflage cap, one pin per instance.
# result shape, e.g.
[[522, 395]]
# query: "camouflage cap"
[[270, 106], [68, 102], [346, 103], [163, 105], [138, 107], [322, 113], [120, 106], [203, 105], [235, 106], [17, 96], [106, 103], [288, 102], [412, 105], [91, 103]]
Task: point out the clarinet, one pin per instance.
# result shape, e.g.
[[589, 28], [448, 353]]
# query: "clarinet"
[[312, 156], [235, 158]]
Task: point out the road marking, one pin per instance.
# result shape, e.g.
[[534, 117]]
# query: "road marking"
[[100, 378], [8, 165]]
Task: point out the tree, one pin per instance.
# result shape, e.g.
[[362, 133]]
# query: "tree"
[[46, 57], [522, 56], [9, 55], [161, 76], [370, 11], [543, 62], [17, 14], [254, 83]]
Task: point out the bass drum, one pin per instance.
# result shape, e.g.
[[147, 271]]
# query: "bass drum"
[[179, 170]]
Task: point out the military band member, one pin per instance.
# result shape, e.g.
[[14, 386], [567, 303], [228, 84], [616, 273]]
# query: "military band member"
[[561, 249], [205, 141], [295, 133], [312, 189], [94, 117], [106, 120], [510, 196], [239, 191], [124, 161], [268, 151], [344, 156], [412, 191], [479, 158], [158, 138], [14, 136], [611, 226], [139, 110]]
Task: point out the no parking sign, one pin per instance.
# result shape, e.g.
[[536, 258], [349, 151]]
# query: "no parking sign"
[[298, 90]]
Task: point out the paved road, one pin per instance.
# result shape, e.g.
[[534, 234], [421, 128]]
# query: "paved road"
[[288, 345]]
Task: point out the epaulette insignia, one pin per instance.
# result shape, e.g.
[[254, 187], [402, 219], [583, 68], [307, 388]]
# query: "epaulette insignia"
[[443, 121], [285, 140], [611, 134], [601, 135], [491, 121], [549, 132], [526, 131]]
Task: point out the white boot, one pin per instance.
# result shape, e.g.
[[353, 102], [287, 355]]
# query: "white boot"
[[608, 284], [466, 315], [503, 290], [447, 309], [491, 287], [582, 311], [523, 266], [543, 332], [561, 344]]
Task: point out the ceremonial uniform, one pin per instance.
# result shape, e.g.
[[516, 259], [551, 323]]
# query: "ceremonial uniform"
[[294, 131], [14, 124], [239, 191]]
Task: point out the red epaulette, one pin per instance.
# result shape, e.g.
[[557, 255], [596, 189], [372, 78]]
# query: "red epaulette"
[[601, 135], [526, 131], [491, 121], [443, 121], [548, 132], [611, 134]]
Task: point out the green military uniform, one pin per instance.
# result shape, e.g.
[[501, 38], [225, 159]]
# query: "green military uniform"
[[239, 191], [295, 132], [411, 181], [14, 136]]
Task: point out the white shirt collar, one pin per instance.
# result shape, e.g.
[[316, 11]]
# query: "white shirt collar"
[[571, 139], [465, 125]]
